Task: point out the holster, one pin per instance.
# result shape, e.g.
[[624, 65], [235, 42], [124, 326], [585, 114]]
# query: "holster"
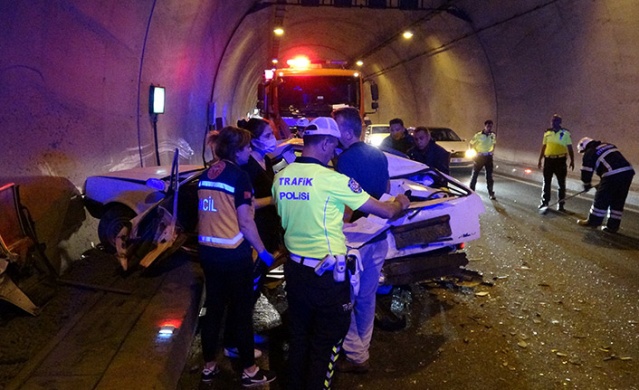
[[355, 267]]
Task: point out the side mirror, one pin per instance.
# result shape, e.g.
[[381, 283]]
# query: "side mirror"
[[374, 92], [156, 184]]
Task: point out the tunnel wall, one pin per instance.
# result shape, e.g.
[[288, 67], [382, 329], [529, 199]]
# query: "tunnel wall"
[[519, 63], [75, 79]]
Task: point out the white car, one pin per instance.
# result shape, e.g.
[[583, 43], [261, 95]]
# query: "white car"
[[427, 241], [461, 154], [143, 206], [376, 133], [116, 198]]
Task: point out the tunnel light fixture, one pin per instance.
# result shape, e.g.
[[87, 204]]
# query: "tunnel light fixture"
[[156, 99], [407, 34], [359, 63], [156, 106], [279, 31]]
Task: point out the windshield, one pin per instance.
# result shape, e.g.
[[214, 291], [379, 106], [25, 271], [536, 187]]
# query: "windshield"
[[443, 134], [313, 96]]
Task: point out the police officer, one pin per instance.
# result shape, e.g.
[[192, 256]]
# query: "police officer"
[[483, 143], [556, 145], [311, 199], [616, 176]]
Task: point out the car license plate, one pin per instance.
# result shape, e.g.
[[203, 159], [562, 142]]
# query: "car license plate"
[[456, 160]]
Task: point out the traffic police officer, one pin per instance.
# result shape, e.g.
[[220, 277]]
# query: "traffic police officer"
[[483, 143], [555, 146], [311, 199], [616, 176]]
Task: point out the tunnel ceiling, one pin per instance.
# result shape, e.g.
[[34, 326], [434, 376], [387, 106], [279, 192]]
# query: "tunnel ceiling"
[[345, 34]]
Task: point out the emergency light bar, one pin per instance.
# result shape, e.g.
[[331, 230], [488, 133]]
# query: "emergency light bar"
[[299, 62]]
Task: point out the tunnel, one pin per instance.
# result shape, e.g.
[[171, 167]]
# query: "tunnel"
[[76, 76]]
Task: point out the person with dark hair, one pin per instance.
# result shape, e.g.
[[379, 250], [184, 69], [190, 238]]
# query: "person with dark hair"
[[399, 139], [226, 232], [616, 174], [260, 170], [311, 199], [556, 145], [369, 167], [483, 143], [426, 151]]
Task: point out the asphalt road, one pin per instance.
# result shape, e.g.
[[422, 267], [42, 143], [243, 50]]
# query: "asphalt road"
[[552, 305]]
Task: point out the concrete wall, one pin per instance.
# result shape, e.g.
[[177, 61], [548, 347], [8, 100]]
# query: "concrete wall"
[[74, 75]]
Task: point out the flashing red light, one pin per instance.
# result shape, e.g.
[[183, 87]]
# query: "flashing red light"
[[299, 62]]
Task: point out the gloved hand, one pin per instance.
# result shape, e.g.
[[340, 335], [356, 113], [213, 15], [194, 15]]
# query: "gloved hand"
[[587, 187], [266, 257]]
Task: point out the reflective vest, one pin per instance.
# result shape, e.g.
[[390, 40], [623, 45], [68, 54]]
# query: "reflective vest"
[[221, 190]]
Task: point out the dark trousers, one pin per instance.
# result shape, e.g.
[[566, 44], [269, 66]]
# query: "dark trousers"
[[320, 314], [258, 275], [611, 194], [229, 287], [557, 167], [479, 163]]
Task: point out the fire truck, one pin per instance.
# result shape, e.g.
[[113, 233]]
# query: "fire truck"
[[309, 89]]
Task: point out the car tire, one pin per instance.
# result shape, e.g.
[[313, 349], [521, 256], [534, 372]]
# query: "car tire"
[[111, 223]]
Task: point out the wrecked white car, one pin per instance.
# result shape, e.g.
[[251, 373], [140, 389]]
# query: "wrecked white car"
[[152, 211], [428, 240], [144, 212]]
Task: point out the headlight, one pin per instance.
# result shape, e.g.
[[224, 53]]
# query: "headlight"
[[471, 153]]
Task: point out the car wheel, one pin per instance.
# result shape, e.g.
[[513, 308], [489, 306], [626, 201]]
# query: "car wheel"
[[111, 223]]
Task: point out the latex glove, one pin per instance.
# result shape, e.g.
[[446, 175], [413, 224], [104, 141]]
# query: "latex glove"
[[587, 187], [266, 257]]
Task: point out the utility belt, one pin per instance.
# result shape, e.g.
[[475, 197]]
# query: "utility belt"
[[556, 156], [339, 264]]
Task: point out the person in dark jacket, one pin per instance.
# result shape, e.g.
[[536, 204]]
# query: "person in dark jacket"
[[616, 174], [426, 151], [399, 139]]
